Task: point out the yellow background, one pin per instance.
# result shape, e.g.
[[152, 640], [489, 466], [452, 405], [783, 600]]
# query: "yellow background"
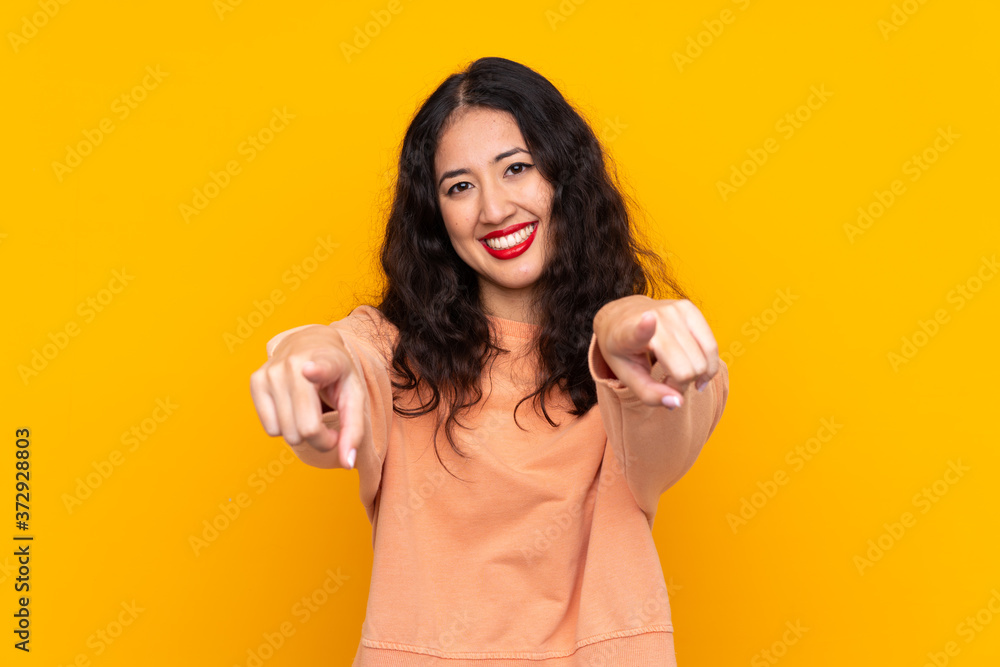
[[675, 131]]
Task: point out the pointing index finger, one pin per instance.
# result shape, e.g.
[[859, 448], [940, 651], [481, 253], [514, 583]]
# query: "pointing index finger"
[[309, 407], [351, 404]]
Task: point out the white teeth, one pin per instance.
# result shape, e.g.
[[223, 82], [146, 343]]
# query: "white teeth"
[[511, 239]]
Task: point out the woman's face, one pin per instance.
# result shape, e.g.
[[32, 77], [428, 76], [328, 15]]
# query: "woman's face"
[[494, 201]]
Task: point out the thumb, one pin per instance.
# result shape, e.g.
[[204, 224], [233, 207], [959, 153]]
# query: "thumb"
[[638, 379], [325, 370], [340, 387]]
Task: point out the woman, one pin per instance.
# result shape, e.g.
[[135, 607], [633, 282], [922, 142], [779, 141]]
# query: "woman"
[[513, 272]]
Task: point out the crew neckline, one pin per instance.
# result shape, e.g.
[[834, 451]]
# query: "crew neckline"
[[513, 328]]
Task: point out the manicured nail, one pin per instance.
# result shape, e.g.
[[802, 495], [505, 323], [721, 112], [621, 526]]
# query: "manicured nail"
[[351, 456], [702, 385], [672, 402]]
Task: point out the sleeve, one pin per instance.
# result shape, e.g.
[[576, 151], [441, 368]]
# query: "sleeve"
[[369, 339], [273, 343], [655, 445]]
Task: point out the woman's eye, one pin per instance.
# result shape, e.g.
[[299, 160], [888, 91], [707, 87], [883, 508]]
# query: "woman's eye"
[[522, 166], [519, 167]]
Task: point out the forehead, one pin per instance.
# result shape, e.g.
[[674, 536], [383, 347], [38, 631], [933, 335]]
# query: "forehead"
[[474, 136]]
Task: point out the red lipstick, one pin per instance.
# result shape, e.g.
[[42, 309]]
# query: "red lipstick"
[[513, 251]]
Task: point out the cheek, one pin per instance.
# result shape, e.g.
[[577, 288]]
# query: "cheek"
[[448, 215], [459, 218], [459, 230], [455, 238]]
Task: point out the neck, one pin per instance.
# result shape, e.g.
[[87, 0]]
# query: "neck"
[[513, 305]]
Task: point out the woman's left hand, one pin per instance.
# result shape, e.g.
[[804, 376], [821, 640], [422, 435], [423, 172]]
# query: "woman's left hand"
[[674, 331]]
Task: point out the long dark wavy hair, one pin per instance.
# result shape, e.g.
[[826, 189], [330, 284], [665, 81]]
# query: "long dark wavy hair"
[[596, 254]]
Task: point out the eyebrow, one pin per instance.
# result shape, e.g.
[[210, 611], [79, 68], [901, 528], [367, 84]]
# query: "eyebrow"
[[501, 156]]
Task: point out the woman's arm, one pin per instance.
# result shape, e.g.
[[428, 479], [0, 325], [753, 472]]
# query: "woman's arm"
[[362, 342], [273, 343], [656, 444], [307, 366]]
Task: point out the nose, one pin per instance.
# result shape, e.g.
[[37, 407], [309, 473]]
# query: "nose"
[[496, 204]]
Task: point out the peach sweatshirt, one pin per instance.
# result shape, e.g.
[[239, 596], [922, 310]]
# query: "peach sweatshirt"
[[544, 556]]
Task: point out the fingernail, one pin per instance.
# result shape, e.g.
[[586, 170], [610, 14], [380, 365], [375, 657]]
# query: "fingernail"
[[702, 385], [351, 456], [672, 402]]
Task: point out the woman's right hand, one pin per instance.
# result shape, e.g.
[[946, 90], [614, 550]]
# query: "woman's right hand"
[[309, 365]]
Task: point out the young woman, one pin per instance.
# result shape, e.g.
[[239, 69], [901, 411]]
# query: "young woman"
[[519, 321]]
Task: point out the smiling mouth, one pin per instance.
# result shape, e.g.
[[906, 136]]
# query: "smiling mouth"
[[519, 234]]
